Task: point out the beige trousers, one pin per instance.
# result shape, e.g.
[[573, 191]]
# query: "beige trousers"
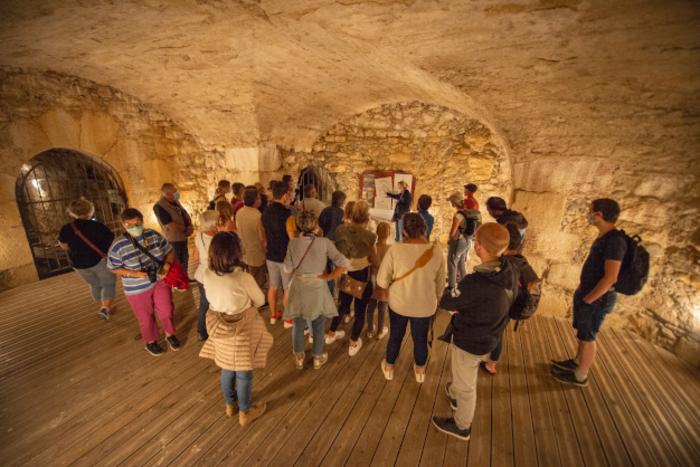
[[465, 369]]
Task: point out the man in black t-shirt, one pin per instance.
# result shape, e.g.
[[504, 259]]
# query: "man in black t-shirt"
[[274, 220], [595, 296]]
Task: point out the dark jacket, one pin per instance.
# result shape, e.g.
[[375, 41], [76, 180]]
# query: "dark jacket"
[[403, 204], [482, 308], [513, 217]]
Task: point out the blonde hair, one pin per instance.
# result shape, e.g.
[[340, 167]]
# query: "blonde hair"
[[360, 214], [225, 211], [349, 208], [383, 231], [456, 200], [80, 207], [493, 237], [307, 221], [208, 220]]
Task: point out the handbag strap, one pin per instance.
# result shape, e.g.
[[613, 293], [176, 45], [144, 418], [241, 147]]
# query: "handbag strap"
[[422, 260], [305, 253], [85, 240], [144, 250]]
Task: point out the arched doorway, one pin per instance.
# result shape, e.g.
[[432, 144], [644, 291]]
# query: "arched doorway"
[[46, 186], [320, 178]]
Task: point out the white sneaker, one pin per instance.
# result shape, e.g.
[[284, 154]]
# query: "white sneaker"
[[353, 349], [454, 293], [338, 335], [288, 323], [383, 334], [347, 318]]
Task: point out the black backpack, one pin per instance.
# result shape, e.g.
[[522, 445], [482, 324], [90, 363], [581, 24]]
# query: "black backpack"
[[472, 221], [527, 298], [635, 266]]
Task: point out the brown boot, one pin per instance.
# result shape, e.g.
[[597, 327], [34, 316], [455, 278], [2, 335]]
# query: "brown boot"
[[231, 409], [244, 418]]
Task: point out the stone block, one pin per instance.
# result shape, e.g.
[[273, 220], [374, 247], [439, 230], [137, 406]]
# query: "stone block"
[[561, 175], [98, 132], [61, 128], [554, 302], [479, 168], [269, 159]]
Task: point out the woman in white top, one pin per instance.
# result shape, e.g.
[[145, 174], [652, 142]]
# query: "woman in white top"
[[202, 240], [238, 340], [414, 273]]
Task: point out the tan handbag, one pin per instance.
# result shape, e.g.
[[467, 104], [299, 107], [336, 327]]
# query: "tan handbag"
[[352, 286]]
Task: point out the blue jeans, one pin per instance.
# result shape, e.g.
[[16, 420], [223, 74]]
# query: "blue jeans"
[[317, 330], [457, 260], [399, 229], [588, 318], [237, 386], [202, 313], [100, 279], [419, 333]]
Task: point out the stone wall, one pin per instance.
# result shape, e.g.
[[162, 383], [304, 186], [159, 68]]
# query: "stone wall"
[[555, 195], [44, 110], [442, 148]]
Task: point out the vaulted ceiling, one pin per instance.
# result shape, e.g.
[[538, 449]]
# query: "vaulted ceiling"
[[548, 74]]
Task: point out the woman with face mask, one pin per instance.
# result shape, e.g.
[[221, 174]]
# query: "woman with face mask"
[[87, 241], [142, 258]]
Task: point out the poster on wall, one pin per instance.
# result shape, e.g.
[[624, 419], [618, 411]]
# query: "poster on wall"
[[382, 186]]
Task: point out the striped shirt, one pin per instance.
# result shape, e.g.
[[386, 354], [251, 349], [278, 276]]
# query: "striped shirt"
[[124, 255]]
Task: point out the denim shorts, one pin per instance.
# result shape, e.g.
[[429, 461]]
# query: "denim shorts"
[[277, 277], [588, 318]]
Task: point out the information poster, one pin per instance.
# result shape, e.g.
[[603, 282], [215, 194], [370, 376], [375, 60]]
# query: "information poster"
[[382, 186]]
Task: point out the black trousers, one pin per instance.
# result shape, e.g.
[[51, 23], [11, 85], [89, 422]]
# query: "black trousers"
[[360, 304]]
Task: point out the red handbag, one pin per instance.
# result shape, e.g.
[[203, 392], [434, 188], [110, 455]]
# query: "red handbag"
[[177, 277]]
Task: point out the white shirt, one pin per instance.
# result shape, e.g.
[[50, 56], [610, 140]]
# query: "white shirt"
[[202, 242], [232, 293], [417, 295]]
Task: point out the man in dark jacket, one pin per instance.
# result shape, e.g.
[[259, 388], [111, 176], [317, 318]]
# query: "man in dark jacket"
[[403, 205], [480, 313], [497, 208]]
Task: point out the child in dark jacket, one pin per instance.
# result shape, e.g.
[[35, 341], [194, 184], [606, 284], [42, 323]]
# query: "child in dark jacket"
[[480, 315]]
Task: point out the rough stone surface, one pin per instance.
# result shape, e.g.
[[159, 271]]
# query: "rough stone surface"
[[45, 110], [442, 148]]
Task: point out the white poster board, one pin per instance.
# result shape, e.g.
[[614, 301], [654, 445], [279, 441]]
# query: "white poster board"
[[382, 202]]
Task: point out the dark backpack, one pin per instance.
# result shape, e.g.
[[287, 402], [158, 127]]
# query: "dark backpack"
[[527, 298], [635, 267], [472, 221]]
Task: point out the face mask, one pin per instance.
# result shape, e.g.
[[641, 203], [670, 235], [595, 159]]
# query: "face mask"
[[177, 196], [135, 231]]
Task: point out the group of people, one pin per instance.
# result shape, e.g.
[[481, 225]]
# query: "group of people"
[[333, 263]]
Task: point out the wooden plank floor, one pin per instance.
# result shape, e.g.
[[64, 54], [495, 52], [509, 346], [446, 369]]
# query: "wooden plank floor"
[[76, 390]]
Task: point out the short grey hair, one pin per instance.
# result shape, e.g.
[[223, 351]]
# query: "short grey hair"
[[208, 220]]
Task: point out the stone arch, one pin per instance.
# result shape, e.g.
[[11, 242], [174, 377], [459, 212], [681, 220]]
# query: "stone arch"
[[442, 148], [47, 184]]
